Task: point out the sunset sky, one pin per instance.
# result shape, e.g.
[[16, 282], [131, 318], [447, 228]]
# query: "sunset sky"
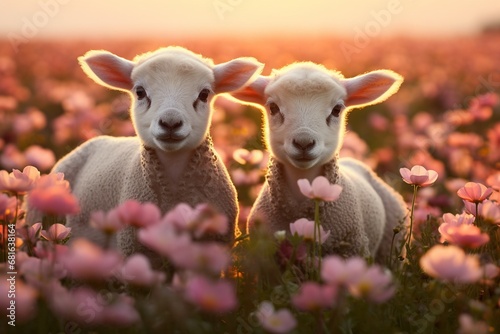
[[160, 18]]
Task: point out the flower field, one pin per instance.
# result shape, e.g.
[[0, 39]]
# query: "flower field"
[[436, 142]]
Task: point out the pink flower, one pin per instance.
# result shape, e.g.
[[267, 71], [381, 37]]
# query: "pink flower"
[[474, 192], [470, 326], [490, 212], [320, 189], [29, 234], [17, 181], [56, 233], [87, 261], [137, 271], [337, 271], [39, 157], [7, 207], [243, 156], [419, 176], [305, 228], [108, 223], [211, 296], [40, 272], [26, 297], [451, 264], [313, 296], [374, 284], [138, 214], [464, 235], [52, 179], [459, 219], [55, 200], [281, 321]]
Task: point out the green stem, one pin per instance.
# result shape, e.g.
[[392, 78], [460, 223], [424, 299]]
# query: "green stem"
[[317, 237], [408, 240]]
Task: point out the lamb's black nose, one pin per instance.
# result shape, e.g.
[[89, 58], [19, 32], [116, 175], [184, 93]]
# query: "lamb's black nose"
[[304, 145]]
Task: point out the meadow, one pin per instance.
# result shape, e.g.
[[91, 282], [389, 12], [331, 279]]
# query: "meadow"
[[445, 118]]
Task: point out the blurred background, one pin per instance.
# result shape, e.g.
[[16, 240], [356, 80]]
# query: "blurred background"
[[445, 116]]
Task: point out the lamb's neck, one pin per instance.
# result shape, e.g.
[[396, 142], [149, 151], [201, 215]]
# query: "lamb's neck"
[[174, 164], [293, 174]]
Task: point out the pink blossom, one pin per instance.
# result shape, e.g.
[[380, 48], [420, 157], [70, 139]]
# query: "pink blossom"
[[451, 264], [11, 157], [464, 235], [375, 284], [418, 176], [87, 307], [313, 296], [490, 212], [40, 157], [481, 106], [320, 189], [8, 207], [108, 223], [281, 321], [243, 156], [52, 179], [56, 233], [337, 271], [212, 296], [40, 272], [458, 219], [137, 271], [305, 228], [474, 192], [17, 181], [470, 326], [138, 214], [87, 261], [55, 200], [26, 298], [29, 234]]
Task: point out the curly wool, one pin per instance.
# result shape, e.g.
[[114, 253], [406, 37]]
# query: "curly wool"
[[106, 171], [361, 221]]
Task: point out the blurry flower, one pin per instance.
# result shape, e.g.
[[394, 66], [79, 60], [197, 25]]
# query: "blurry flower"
[[490, 271], [108, 223], [378, 122], [490, 212], [39, 157], [474, 192], [452, 185], [494, 182], [25, 298], [11, 157], [313, 296], [54, 200], [374, 284], [280, 235], [320, 189], [305, 228], [56, 233], [212, 296], [418, 176], [451, 264], [52, 179], [8, 206], [281, 321], [337, 271], [287, 251], [87, 261], [137, 214], [29, 233], [481, 106], [470, 326], [243, 156], [137, 271], [463, 235], [17, 181], [241, 177], [40, 272]]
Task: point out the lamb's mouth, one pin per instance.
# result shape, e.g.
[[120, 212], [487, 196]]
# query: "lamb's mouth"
[[170, 138], [303, 157]]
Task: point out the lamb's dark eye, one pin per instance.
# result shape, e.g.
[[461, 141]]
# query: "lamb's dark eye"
[[337, 109], [140, 92], [203, 96], [273, 108]]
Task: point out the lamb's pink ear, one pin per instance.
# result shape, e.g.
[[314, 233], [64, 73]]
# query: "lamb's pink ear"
[[254, 92], [107, 69], [235, 73], [371, 88]]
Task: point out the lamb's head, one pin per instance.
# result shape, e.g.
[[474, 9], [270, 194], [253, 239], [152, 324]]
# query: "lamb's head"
[[172, 89], [306, 107]]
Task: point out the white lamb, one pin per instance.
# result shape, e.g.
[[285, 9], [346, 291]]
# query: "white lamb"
[[172, 159], [306, 107]]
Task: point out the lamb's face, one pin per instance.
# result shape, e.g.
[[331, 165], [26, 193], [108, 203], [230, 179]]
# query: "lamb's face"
[[305, 117], [171, 98]]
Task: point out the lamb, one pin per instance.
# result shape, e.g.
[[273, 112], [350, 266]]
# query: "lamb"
[[305, 107], [172, 158]]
